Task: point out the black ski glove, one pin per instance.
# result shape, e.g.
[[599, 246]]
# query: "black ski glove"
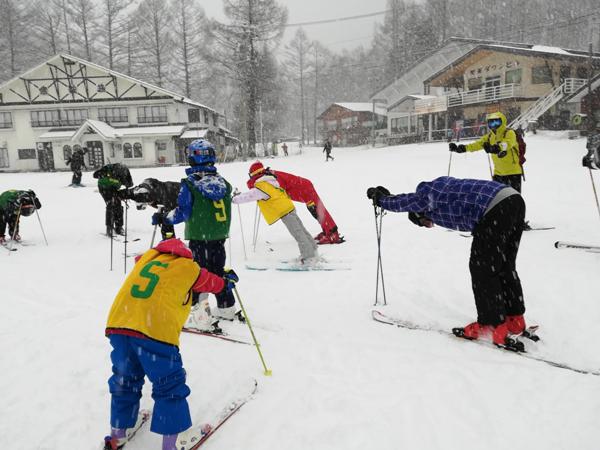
[[377, 193], [457, 148], [489, 148], [420, 220]]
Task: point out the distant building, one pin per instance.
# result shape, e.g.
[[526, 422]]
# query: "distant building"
[[66, 103], [585, 105], [466, 78], [348, 124]]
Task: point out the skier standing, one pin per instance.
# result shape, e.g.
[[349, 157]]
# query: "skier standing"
[[155, 193], [302, 190], [110, 179], [15, 204], [76, 162], [592, 159], [275, 204], [494, 213], [143, 327], [204, 204], [327, 150], [284, 147]]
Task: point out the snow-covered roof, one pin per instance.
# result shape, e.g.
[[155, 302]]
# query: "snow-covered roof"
[[61, 134], [362, 107], [193, 134], [109, 133]]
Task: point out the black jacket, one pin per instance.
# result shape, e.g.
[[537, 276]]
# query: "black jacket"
[[155, 192], [115, 171]]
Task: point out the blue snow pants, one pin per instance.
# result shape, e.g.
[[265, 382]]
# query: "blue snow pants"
[[132, 358]]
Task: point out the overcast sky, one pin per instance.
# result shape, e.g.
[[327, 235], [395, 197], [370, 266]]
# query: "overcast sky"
[[335, 36]]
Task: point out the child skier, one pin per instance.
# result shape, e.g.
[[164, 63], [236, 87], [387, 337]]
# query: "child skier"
[[15, 204], [302, 190], [143, 327], [204, 204], [155, 193], [592, 159], [494, 213], [275, 204], [110, 179]]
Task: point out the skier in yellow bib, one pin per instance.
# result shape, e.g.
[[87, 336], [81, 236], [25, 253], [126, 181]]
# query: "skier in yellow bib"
[[275, 204]]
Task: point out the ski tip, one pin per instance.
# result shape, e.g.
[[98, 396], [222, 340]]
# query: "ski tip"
[[556, 244], [268, 373]]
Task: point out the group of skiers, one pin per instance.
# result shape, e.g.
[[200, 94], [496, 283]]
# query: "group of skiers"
[[145, 335], [174, 280]]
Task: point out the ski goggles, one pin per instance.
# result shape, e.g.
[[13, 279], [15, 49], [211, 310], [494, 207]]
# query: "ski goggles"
[[494, 123]]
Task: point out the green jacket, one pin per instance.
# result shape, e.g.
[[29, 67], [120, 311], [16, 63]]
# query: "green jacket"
[[209, 220]]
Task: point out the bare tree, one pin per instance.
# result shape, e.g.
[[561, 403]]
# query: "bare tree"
[[112, 38], [190, 39], [253, 25], [84, 16], [15, 42], [154, 39], [298, 52], [46, 27]]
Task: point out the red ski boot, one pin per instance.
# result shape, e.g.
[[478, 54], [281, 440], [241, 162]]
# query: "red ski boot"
[[516, 324], [331, 238], [476, 330]]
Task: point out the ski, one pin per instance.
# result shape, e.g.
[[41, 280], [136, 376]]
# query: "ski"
[[144, 416], [226, 414], [573, 245], [119, 238], [9, 248], [540, 228], [529, 332], [222, 336]]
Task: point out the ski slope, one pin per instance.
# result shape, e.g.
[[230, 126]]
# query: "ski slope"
[[340, 380]]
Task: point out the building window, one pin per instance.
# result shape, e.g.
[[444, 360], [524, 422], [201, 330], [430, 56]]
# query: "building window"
[[137, 150], [206, 117], [5, 120], [152, 114], [193, 115], [127, 153], [57, 118], [67, 152], [73, 117], [474, 83], [132, 152], [514, 76], [113, 114], [26, 153], [541, 75], [215, 119], [49, 118], [3, 157]]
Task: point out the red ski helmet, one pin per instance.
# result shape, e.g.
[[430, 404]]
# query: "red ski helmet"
[[256, 169]]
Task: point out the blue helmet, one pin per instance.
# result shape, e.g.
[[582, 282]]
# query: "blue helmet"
[[201, 152]]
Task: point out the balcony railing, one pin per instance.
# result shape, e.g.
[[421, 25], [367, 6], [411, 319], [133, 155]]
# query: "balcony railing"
[[487, 94], [572, 85]]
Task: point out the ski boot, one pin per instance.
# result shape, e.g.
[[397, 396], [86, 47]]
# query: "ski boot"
[[119, 436], [201, 319], [229, 314], [2, 240], [331, 238]]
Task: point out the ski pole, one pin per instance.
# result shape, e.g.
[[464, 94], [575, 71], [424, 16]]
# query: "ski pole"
[[40, 222], [378, 229], [255, 229], [12, 239], [268, 372], [160, 209], [125, 243], [449, 163], [111, 248], [595, 192], [242, 232]]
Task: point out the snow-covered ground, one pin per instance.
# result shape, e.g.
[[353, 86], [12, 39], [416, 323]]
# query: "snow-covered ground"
[[340, 380]]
